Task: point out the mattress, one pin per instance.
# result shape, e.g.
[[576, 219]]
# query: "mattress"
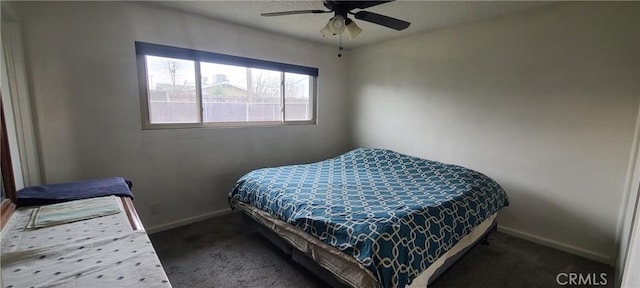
[[345, 268], [99, 252], [394, 214]]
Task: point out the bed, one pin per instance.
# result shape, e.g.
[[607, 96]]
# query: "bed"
[[372, 217], [95, 241]]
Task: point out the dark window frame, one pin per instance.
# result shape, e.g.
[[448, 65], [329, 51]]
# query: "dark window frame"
[[144, 49]]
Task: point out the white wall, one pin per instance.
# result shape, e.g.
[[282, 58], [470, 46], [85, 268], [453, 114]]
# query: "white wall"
[[543, 101], [82, 67]]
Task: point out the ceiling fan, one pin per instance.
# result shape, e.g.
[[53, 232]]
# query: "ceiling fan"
[[340, 21]]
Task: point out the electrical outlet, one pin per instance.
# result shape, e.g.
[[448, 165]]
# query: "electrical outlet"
[[154, 208]]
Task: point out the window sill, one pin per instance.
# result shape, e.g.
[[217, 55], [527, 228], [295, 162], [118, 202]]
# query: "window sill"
[[224, 125]]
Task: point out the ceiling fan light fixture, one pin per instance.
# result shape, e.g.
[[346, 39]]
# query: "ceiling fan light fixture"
[[353, 29], [326, 31], [336, 24]]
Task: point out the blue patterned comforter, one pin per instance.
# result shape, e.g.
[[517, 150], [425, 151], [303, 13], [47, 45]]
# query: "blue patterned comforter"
[[394, 213]]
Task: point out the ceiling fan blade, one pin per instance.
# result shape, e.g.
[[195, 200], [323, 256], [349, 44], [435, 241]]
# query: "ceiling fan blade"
[[294, 12], [386, 21], [363, 4]]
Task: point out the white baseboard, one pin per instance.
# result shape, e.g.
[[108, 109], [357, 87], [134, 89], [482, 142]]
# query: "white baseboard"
[[559, 245], [185, 221]]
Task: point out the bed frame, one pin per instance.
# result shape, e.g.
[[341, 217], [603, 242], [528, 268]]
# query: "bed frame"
[[330, 279]]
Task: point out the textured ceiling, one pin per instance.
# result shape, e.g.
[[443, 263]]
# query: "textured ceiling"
[[423, 15]]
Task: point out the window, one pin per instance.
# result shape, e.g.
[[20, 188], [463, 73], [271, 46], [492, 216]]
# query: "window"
[[184, 88]]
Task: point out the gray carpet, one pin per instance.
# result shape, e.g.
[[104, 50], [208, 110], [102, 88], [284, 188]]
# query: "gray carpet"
[[227, 252]]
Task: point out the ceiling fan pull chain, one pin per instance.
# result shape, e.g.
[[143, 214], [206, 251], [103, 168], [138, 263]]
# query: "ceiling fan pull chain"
[[340, 46]]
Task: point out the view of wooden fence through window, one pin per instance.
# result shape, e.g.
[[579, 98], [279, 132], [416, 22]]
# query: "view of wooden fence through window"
[[226, 93]]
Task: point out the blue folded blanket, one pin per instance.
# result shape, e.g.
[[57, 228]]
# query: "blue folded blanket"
[[56, 193]]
